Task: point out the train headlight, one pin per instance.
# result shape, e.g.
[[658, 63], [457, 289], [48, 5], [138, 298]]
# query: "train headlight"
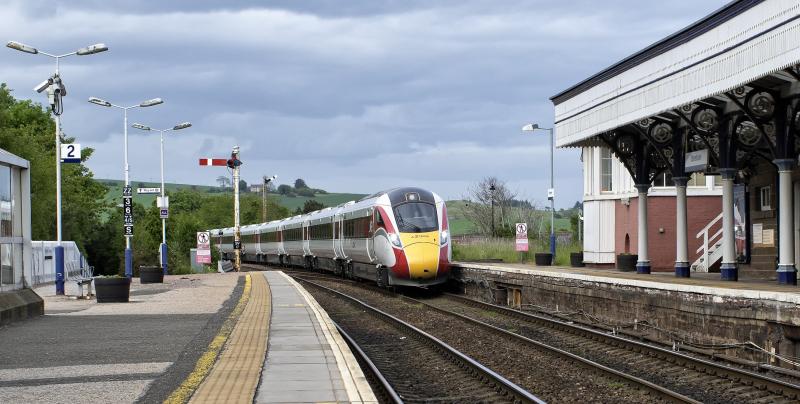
[[395, 239], [444, 237]]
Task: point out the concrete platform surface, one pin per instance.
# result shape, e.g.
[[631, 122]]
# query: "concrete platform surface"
[[307, 360], [83, 351], [701, 283]]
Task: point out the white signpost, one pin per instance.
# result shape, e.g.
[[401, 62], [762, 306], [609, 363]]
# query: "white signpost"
[[71, 153], [522, 237], [203, 247]]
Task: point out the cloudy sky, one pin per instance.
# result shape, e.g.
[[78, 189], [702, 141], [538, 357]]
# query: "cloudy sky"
[[352, 96]]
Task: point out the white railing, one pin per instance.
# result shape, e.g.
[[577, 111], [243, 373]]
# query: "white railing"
[[43, 261], [710, 251]]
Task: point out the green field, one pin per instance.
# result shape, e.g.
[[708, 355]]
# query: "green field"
[[461, 225], [115, 194]]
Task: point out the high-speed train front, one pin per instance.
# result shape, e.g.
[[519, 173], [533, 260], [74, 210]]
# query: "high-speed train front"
[[412, 238]]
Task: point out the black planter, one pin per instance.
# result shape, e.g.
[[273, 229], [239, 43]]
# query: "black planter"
[[627, 262], [151, 274], [543, 259], [576, 259], [112, 290]]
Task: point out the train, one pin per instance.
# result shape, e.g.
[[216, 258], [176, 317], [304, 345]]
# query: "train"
[[398, 237]]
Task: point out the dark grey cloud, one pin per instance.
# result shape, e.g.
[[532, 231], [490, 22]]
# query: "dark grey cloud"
[[350, 95]]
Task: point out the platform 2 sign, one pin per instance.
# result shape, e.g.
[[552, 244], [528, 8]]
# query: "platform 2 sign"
[[203, 247], [71, 153], [127, 211], [522, 237]]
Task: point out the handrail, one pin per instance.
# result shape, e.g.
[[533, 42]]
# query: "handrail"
[[709, 225]]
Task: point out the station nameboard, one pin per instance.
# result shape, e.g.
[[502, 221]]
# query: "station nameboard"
[[148, 190]]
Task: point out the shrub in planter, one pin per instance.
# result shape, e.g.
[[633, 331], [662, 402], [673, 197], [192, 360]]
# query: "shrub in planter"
[[576, 259], [112, 289], [543, 259], [151, 274], [627, 262]]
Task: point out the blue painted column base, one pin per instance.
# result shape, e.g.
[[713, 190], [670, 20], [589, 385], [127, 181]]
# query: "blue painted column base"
[[787, 275], [128, 263], [682, 270], [643, 267], [164, 257], [729, 272], [553, 247], [59, 261]]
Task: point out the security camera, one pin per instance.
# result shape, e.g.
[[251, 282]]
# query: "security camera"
[[43, 85]]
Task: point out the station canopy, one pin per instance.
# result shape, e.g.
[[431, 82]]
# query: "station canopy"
[[734, 61]]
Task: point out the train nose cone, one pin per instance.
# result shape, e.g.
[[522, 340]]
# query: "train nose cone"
[[423, 260]]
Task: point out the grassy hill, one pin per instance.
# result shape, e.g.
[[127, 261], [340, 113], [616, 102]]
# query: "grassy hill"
[[115, 194], [460, 224]]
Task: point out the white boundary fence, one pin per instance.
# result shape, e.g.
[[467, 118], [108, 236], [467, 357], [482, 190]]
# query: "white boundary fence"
[[43, 261]]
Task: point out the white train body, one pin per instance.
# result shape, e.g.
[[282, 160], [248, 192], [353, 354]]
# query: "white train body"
[[396, 237]]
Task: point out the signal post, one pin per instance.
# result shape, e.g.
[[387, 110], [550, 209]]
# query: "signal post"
[[234, 164]]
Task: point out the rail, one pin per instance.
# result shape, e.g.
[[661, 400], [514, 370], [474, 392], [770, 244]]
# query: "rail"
[[708, 250], [780, 387], [501, 382]]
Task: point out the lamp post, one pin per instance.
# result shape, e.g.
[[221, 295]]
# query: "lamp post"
[[164, 204], [492, 189], [55, 91], [264, 187], [551, 194], [143, 104]]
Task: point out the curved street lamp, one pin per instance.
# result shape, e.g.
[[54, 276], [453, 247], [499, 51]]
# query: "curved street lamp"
[[163, 249], [144, 104], [551, 195], [55, 90]]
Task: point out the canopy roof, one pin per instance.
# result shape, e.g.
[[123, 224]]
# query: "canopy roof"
[[743, 42]]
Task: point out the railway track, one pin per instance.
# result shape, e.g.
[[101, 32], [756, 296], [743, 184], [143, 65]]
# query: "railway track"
[[417, 366], [563, 375], [694, 377]]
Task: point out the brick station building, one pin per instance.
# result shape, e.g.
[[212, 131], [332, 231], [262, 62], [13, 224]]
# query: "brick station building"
[[723, 94]]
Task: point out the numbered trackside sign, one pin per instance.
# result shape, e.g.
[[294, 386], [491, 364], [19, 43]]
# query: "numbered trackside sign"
[[71, 153]]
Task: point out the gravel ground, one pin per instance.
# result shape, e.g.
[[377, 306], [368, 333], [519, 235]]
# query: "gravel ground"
[[688, 382], [544, 374], [417, 378]]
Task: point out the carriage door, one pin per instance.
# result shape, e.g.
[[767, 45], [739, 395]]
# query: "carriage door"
[[371, 236], [337, 236]]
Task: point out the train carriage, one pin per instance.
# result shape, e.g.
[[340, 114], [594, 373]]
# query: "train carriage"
[[395, 237]]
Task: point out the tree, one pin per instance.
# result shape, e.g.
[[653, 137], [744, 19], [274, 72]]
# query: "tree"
[[312, 205], [489, 192], [284, 189], [223, 181], [26, 129], [299, 183], [305, 192], [243, 186]]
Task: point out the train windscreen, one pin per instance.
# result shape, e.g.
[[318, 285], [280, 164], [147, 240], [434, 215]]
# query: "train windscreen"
[[416, 217]]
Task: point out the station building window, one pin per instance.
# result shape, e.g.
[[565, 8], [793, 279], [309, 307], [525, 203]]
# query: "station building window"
[[697, 180], [606, 175], [765, 198]]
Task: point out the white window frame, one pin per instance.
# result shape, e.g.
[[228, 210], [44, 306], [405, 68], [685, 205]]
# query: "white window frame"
[[765, 198]]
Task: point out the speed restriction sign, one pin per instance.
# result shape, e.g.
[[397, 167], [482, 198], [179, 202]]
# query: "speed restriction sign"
[[522, 237]]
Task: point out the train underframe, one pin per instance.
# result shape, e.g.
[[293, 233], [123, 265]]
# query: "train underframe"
[[381, 275]]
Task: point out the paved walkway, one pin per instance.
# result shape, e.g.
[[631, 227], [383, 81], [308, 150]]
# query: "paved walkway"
[[706, 283], [307, 360], [82, 351]]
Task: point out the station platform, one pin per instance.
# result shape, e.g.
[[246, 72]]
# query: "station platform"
[[234, 337], [752, 319]]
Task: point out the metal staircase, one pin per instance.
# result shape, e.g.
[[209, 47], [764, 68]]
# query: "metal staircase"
[[710, 251]]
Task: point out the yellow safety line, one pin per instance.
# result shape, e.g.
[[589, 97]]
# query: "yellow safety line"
[[184, 392]]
